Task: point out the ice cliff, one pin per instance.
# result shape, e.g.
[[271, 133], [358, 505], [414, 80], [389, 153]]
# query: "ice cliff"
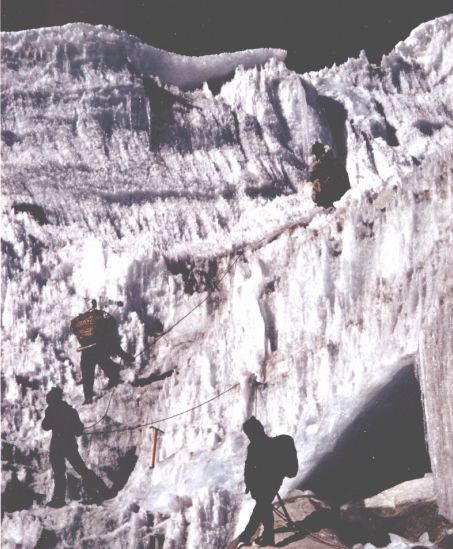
[[166, 181]]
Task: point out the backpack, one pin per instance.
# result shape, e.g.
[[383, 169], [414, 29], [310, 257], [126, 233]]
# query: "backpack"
[[286, 453], [93, 326]]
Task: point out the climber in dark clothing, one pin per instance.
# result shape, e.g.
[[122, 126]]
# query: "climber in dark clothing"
[[64, 422], [100, 355], [263, 480], [97, 331], [330, 178]]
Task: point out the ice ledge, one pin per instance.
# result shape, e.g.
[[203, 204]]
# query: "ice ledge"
[[101, 42]]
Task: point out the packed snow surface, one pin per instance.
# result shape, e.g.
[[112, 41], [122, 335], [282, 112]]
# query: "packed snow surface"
[[170, 182]]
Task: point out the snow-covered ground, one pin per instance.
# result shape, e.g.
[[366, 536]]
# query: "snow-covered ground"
[[163, 196]]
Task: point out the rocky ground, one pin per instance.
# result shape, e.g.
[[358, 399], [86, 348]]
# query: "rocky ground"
[[403, 516]]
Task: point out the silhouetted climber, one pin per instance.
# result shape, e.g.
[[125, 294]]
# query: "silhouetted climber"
[[263, 475], [64, 422], [329, 176], [97, 332]]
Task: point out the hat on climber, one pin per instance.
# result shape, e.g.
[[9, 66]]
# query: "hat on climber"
[[252, 426], [317, 149], [54, 395]]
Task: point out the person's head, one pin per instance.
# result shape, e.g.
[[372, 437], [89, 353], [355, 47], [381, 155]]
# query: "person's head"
[[317, 149], [252, 427], [54, 396]]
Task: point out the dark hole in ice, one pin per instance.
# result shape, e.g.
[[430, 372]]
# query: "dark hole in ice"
[[384, 129], [265, 191], [153, 326], [284, 133], [196, 279], [9, 138], [152, 378], [270, 286], [427, 128], [229, 193], [37, 212], [17, 492], [47, 540], [216, 84], [162, 99], [400, 70], [17, 495], [382, 447], [270, 191], [336, 116], [279, 184], [106, 122], [120, 474], [26, 383]]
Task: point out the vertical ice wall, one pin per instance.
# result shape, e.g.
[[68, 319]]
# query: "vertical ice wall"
[[436, 378], [149, 193]]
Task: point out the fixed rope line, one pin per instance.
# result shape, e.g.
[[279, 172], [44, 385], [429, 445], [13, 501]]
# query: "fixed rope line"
[[140, 426], [105, 413], [169, 330], [164, 333]]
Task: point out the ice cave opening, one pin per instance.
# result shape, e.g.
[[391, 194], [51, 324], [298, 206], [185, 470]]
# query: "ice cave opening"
[[383, 446]]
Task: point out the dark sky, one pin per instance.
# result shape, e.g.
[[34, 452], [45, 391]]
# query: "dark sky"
[[316, 33]]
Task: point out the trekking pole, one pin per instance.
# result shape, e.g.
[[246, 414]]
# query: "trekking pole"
[[155, 441], [289, 520]]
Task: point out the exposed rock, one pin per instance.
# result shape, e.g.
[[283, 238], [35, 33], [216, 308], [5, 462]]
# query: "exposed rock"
[[408, 510]]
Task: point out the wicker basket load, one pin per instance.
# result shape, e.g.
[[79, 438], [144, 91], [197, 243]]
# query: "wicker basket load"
[[89, 327]]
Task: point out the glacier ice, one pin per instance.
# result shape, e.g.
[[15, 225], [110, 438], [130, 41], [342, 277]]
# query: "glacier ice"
[[152, 183]]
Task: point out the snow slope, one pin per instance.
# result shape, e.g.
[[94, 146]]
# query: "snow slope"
[[150, 193]]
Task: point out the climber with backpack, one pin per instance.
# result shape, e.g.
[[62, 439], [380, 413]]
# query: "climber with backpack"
[[269, 460], [97, 332]]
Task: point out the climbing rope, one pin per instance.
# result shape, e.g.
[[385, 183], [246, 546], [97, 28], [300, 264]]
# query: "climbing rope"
[[140, 426], [105, 413]]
